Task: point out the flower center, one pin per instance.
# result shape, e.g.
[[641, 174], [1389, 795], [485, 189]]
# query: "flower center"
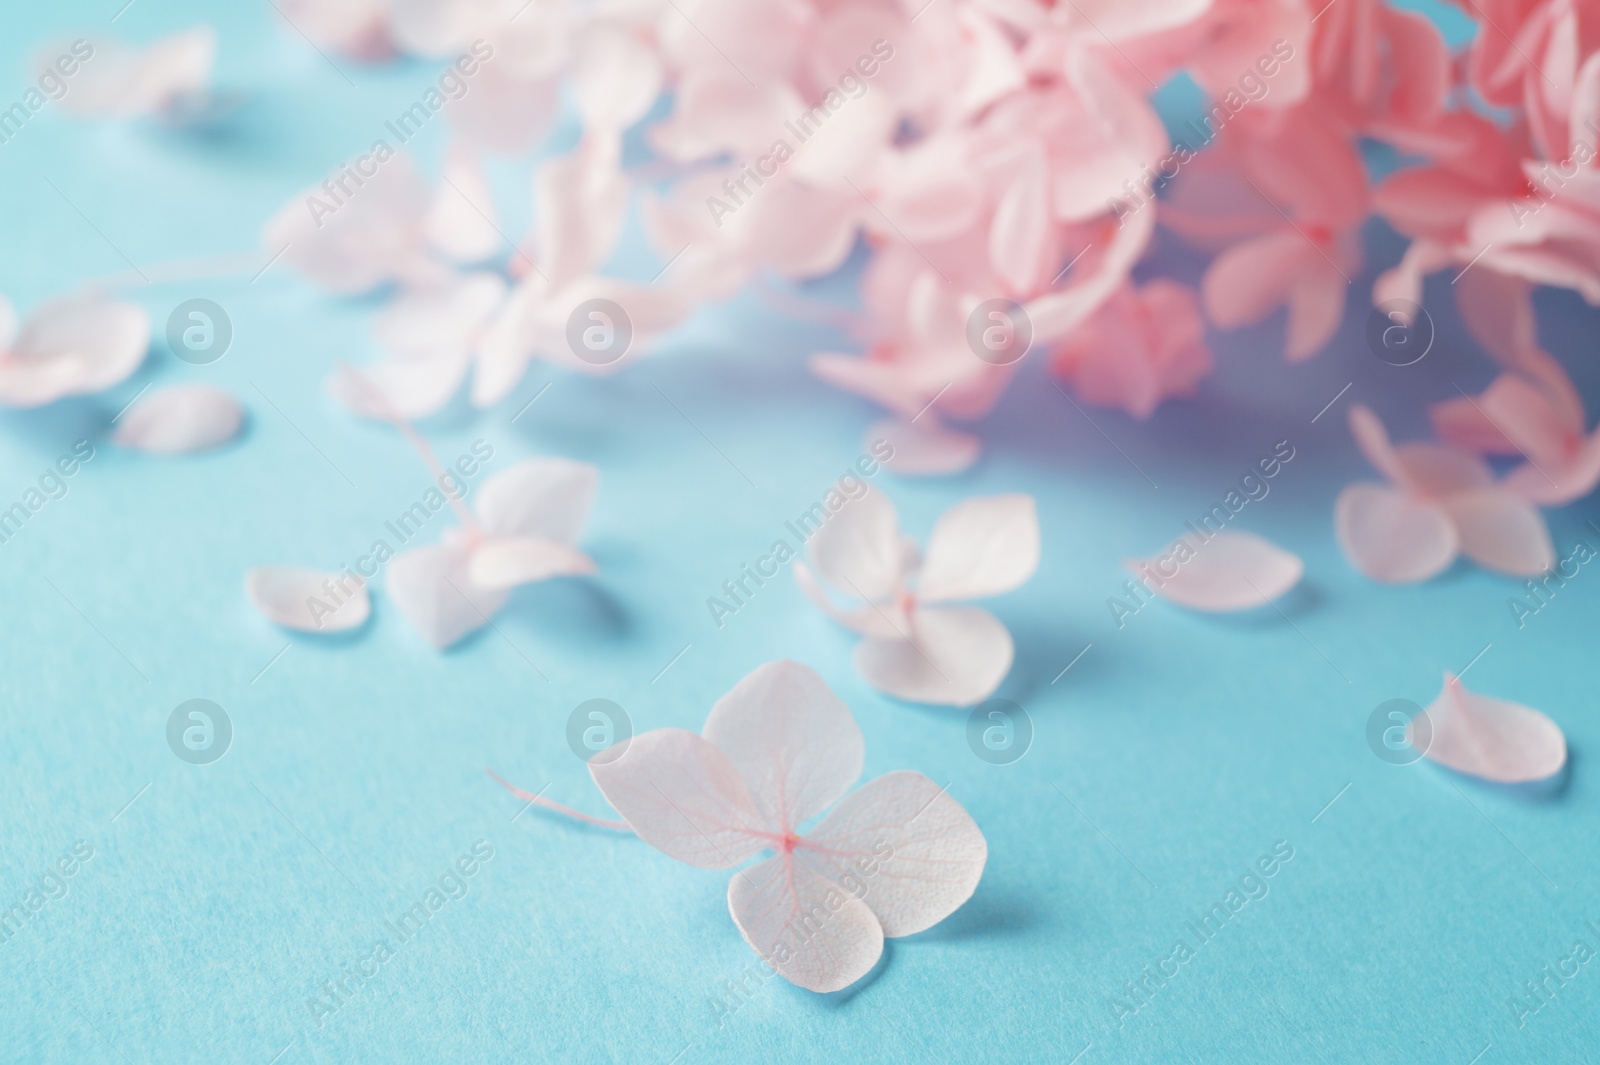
[[790, 842]]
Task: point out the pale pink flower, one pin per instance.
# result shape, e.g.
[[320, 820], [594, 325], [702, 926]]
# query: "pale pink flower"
[[1437, 503], [915, 647], [525, 529], [892, 858], [1143, 346]]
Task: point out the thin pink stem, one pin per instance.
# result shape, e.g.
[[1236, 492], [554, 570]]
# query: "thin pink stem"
[[551, 804]]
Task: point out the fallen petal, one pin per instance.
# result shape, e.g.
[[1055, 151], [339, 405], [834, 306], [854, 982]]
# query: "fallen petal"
[[814, 934], [959, 657], [1491, 738], [431, 587], [1231, 571], [505, 562], [180, 420], [308, 600], [1391, 537]]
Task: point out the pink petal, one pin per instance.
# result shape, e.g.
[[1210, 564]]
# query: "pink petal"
[[794, 742], [812, 932], [959, 657], [300, 599], [1247, 281], [1498, 310], [684, 797], [1392, 537], [430, 586], [1432, 470], [581, 198], [505, 562], [1019, 244], [179, 420], [1490, 738], [1373, 440], [857, 549], [924, 448], [1501, 531], [1553, 484], [1523, 412], [904, 847], [1461, 423], [981, 547], [1231, 571], [1316, 306], [545, 499]]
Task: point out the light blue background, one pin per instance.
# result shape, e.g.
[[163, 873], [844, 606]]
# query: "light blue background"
[[1172, 755]]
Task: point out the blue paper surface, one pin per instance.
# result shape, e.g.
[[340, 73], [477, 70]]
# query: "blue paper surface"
[[1179, 750]]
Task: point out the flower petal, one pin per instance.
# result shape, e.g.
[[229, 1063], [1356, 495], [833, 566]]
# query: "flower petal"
[[180, 419], [904, 847], [71, 347], [546, 499], [1502, 531], [1490, 738], [299, 598], [869, 619], [923, 450], [858, 549], [505, 562], [1231, 571], [461, 219], [794, 741], [430, 586], [386, 390], [981, 547], [959, 657], [1389, 536], [684, 797], [811, 932]]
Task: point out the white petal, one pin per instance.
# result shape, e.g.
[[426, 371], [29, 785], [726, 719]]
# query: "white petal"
[[180, 419], [1490, 738], [904, 847], [683, 797], [959, 657], [857, 549], [71, 347], [981, 547], [430, 586], [298, 598], [1501, 531], [870, 619], [1391, 537], [422, 321], [547, 499], [794, 741], [926, 449], [616, 78], [827, 937], [1231, 571], [384, 391], [461, 220], [505, 562]]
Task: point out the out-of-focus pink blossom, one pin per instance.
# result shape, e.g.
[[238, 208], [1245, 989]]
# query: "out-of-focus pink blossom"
[[1143, 346]]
